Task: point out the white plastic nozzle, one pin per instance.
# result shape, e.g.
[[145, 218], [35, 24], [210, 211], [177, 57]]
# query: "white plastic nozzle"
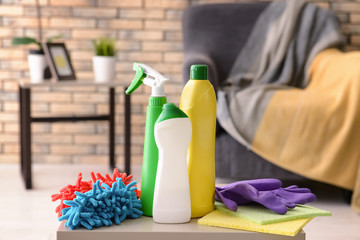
[[153, 79]]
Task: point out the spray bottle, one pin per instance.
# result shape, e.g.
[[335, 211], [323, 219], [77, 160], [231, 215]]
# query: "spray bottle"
[[147, 75]]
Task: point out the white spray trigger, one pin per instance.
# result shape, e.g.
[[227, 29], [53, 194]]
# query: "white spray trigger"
[[154, 79]]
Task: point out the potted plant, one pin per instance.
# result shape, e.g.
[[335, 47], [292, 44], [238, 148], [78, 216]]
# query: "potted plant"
[[38, 66], [104, 61]]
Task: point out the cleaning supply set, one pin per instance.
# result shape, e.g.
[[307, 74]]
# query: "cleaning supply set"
[[178, 174]]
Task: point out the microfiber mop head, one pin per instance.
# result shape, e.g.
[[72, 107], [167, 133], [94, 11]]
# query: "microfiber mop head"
[[68, 192], [102, 206]]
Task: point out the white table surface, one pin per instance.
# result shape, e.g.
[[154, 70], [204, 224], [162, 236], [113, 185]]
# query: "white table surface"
[[145, 228]]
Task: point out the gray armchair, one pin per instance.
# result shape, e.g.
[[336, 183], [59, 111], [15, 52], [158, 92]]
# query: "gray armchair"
[[214, 35]]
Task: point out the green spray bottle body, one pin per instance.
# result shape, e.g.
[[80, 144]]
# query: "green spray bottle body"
[[147, 75], [150, 155]]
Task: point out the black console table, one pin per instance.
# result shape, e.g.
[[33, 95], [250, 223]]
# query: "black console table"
[[26, 119]]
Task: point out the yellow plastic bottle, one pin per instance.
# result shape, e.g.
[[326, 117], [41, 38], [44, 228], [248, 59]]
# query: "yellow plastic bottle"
[[198, 101]]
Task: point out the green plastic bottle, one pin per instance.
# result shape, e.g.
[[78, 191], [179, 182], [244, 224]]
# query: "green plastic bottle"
[[150, 77]]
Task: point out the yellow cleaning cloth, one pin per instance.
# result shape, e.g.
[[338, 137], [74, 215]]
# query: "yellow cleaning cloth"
[[218, 218], [261, 215]]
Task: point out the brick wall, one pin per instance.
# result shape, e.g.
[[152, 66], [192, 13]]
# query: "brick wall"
[[147, 31]]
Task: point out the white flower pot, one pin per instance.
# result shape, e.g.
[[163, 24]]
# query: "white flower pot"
[[104, 68], [37, 65]]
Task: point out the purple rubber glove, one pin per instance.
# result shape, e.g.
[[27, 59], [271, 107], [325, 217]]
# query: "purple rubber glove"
[[267, 192]]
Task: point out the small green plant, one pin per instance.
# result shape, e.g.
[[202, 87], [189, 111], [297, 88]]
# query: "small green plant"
[[28, 40], [104, 47]]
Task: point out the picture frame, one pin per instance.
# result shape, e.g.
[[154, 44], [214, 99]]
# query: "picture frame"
[[59, 61]]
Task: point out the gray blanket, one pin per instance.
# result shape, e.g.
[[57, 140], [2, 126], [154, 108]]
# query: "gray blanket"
[[277, 55]]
